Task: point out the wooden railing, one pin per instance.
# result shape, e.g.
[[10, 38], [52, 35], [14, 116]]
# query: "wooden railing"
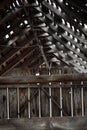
[[43, 100]]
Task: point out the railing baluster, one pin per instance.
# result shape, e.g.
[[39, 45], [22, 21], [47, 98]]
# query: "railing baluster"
[[8, 103], [61, 104], [18, 102], [39, 103], [28, 102], [50, 94], [82, 99], [71, 101]]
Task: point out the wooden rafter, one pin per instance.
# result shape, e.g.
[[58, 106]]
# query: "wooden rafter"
[[66, 17], [16, 61]]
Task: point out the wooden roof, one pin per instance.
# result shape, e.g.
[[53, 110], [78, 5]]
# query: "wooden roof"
[[33, 32]]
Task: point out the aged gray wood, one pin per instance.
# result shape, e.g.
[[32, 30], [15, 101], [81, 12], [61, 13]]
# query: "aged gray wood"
[[45, 124], [43, 79]]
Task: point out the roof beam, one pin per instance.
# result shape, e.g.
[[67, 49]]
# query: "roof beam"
[[43, 79], [82, 55]]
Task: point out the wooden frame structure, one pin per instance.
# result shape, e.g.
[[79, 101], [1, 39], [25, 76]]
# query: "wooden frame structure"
[[53, 30]]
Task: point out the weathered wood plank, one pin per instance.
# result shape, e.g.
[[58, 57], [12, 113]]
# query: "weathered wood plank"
[[43, 79], [65, 123]]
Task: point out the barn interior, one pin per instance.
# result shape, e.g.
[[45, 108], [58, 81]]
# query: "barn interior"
[[43, 64]]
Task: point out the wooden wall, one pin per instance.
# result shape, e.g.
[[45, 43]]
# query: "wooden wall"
[[44, 99]]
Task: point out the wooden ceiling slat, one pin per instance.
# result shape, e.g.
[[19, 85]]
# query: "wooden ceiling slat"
[[67, 47], [28, 61], [78, 46], [81, 16], [65, 28], [66, 17], [73, 33], [77, 4], [55, 35]]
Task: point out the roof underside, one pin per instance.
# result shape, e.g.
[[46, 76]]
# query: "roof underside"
[[33, 32]]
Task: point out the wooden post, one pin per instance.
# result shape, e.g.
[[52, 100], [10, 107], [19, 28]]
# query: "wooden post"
[[71, 101], [28, 102], [39, 103], [82, 99], [8, 103], [50, 94], [18, 102], [61, 105]]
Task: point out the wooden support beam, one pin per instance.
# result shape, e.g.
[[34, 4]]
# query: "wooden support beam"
[[44, 56], [36, 63], [34, 60], [64, 27], [17, 38], [17, 60], [43, 79], [14, 51], [38, 34], [73, 33], [81, 54], [31, 59], [69, 16]]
